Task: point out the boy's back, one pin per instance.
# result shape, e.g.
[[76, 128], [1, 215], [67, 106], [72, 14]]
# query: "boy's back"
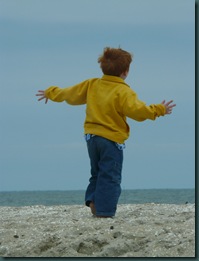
[[104, 111]]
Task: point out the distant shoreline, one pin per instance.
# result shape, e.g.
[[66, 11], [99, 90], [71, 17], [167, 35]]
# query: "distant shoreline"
[[76, 197], [83, 190]]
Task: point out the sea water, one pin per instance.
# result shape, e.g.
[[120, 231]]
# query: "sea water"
[[76, 197]]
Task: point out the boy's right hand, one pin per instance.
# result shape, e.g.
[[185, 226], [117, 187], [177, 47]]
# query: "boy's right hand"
[[169, 106], [43, 96]]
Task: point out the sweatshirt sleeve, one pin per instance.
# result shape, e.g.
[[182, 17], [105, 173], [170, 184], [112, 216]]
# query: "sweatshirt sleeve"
[[75, 95], [139, 111]]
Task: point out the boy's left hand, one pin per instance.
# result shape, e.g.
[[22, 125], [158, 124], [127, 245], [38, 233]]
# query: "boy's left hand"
[[168, 106], [43, 96]]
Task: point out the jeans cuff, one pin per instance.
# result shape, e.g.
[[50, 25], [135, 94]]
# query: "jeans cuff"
[[87, 203]]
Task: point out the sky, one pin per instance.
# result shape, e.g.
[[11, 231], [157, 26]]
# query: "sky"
[[58, 42]]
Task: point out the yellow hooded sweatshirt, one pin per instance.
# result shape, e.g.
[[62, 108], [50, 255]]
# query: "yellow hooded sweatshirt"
[[109, 100]]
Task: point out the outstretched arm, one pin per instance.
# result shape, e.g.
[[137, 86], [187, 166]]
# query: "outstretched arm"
[[42, 96], [169, 106], [74, 95]]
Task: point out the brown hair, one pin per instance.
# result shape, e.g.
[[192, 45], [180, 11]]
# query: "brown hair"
[[114, 61]]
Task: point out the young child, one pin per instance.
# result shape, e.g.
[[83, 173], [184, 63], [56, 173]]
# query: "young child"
[[109, 100]]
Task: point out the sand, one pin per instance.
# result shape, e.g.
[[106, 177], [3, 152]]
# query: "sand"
[[145, 230]]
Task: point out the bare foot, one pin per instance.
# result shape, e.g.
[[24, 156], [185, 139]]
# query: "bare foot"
[[92, 206], [93, 211]]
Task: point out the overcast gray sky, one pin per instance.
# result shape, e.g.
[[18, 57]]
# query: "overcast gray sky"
[[57, 42]]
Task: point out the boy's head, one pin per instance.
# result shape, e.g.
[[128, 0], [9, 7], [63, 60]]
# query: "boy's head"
[[114, 61]]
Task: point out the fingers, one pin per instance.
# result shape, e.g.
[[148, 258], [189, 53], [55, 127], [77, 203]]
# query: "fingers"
[[42, 96], [169, 102], [169, 111], [169, 106], [40, 93]]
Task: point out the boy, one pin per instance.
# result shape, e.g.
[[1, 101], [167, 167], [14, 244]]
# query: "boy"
[[109, 100]]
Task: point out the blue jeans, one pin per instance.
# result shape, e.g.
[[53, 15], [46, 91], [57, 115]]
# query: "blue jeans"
[[106, 166]]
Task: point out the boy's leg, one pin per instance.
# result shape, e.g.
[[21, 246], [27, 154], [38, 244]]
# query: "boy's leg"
[[104, 189], [108, 187], [94, 159]]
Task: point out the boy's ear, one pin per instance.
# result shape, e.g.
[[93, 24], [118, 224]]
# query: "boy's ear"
[[124, 74]]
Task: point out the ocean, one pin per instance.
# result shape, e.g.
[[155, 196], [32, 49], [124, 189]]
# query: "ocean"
[[76, 197]]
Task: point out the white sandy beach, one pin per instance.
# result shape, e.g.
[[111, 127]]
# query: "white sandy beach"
[[145, 230]]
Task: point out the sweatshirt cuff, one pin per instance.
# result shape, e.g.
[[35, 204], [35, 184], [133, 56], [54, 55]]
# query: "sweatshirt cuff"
[[162, 110]]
